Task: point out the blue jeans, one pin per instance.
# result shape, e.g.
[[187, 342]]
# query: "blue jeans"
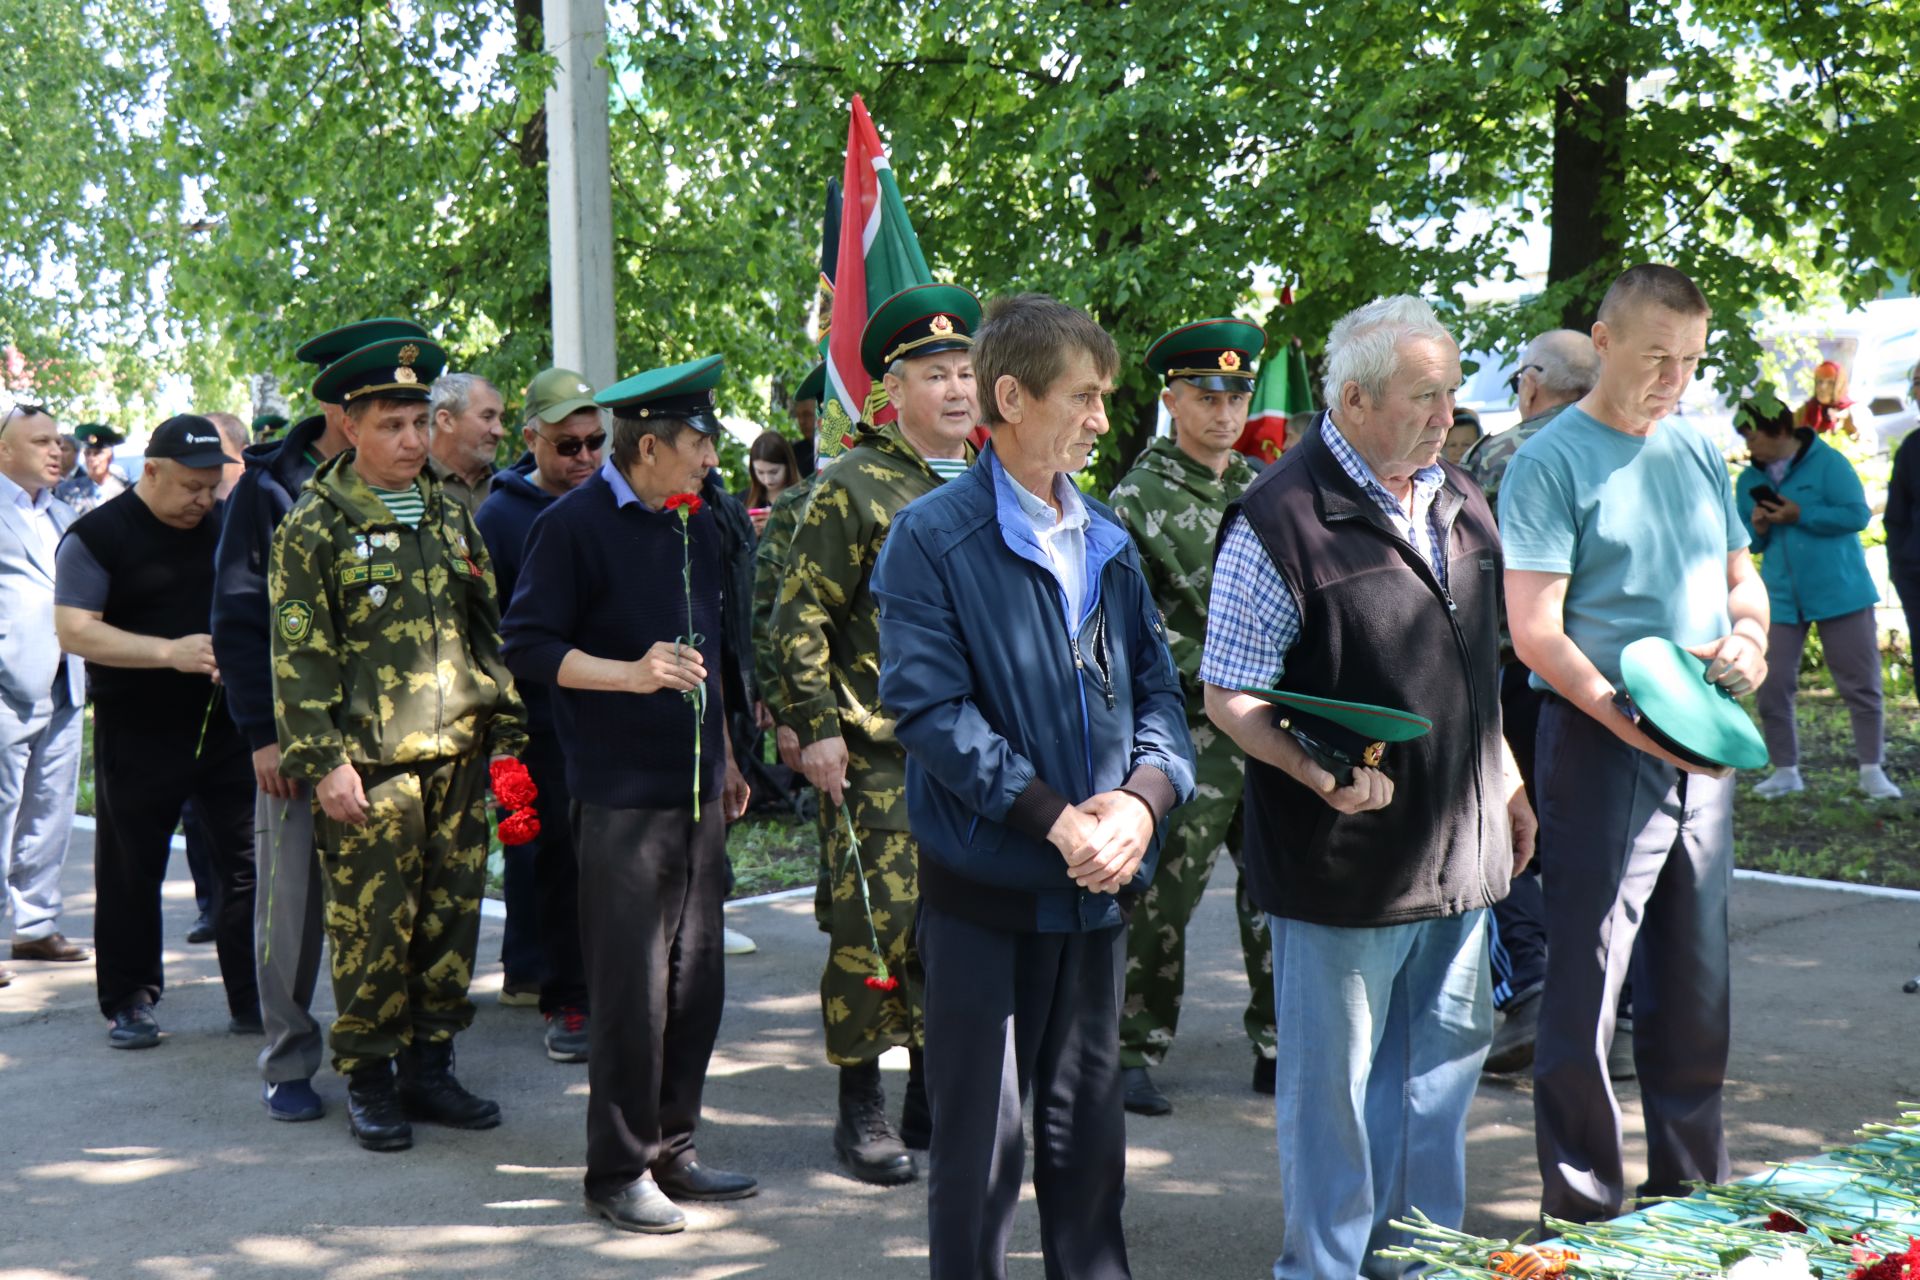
[[1385, 1031]]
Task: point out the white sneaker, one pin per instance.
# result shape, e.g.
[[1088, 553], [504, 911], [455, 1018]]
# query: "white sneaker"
[[737, 944], [1875, 784], [1782, 782]]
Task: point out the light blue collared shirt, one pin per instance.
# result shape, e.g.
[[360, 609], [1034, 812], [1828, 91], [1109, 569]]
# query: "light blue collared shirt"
[[1062, 537], [623, 493]]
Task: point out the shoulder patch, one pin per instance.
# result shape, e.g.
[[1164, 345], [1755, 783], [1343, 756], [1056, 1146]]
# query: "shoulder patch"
[[296, 619]]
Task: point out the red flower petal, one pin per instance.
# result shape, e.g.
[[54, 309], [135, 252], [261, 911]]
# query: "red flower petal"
[[520, 828], [513, 786]]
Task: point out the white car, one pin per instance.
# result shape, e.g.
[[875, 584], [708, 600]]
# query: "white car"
[[1877, 344]]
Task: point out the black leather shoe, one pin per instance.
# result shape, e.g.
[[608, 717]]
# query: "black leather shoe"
[[916, 1116], [694, 1181], [1263, 1067], [1512, 1048], [864, 1139], [428, 1090], [1142, 1097], [374, 1116], [202, 930], [134, 1028], [639, 1206]]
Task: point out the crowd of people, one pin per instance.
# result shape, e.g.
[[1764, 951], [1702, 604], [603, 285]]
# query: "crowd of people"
[[1388, 686]]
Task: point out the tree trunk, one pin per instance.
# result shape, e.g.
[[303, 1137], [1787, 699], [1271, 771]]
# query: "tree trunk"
[[1589, 120]]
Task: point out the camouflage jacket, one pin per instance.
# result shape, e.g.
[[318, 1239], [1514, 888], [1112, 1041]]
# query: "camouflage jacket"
[[826, 623], [1487, 461], [769, 569], [1486, 464], [1172, 506], [386, 640]]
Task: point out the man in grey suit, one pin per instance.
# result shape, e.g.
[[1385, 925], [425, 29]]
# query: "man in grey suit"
[[41, 694]]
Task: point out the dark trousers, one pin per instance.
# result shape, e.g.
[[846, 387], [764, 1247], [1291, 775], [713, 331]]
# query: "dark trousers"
[[145, 772], [651, 889], [1642, 869], [1519, 935], [541, 941], [1906, 585], [1008, 1015], [199, 857]]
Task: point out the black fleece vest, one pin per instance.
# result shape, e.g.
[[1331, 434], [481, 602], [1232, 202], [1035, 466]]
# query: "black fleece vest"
[[1378, 627], [161, 585]]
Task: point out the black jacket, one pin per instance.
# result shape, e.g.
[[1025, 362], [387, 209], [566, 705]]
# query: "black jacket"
[[242, 638]]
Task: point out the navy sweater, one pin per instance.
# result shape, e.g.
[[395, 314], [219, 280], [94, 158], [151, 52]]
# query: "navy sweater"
[[605, 579], [506, 521]]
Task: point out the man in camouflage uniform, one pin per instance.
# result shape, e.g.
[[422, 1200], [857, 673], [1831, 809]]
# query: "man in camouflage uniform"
[[1558, 368], [1172, 501], [390, 698], [826, 631]]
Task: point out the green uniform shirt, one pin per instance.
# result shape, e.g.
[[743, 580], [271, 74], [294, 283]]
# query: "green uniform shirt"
[[769, 569], [826, 623], [386, 640], [1172, 506]]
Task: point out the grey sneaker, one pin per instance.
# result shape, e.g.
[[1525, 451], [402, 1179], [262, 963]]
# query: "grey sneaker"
[[1513, 1043], [567, 1034]]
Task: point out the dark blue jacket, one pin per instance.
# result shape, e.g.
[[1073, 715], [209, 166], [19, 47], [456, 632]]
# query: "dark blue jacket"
[[1005, 715], [505, 519], [242, 635]]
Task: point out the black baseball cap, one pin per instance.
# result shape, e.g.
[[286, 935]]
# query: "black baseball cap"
[[189, 440]]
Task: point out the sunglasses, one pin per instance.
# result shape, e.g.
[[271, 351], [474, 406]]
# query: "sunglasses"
[[1513, 383], [570, 446], [24, 411]]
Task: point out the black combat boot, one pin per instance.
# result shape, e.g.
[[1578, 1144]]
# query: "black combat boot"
[[916, 1117], [374, 1116], [864, 1138], [429, 1092]]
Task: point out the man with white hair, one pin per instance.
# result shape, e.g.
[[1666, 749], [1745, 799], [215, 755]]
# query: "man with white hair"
[[469, 422], [1557, 368], [1360, 569], [1619, 525]]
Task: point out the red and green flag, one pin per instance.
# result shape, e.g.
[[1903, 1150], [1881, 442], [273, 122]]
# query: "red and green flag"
[[1283, 391], [879, 255]]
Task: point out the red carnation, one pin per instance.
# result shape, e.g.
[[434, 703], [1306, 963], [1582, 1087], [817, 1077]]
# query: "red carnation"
[[520, 828], [1782, 1221], [881, 979], [690, 501], [512, 785]]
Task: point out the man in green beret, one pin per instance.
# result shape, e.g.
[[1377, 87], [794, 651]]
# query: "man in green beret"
[[99, 480], [826, 630], [1171, 502], [390, 698]]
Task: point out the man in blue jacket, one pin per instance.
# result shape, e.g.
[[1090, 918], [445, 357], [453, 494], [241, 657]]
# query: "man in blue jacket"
[[1046, 739], [286, 906], [564, 432]]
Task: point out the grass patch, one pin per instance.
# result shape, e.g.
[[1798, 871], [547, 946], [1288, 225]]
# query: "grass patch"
[[1830, 831]]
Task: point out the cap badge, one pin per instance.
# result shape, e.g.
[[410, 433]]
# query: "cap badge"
[[585, 390], [941, 326], [1375, 752], [405, 376], [409, 353], [1229, 359]]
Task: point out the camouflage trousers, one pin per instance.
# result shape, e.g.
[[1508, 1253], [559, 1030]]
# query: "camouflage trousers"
[[863, 1022], [403, 907], [1157, 936]]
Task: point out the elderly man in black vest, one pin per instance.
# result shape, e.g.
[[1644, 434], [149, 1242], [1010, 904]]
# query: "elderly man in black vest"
[[133, 595], [1362, 569]]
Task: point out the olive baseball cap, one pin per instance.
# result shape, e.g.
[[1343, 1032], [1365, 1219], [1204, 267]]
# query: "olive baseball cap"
[[555, 393]]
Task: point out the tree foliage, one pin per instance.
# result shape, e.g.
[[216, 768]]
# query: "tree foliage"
[[203, 185]]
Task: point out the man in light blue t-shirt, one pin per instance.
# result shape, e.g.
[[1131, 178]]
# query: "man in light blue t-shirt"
[[1617, 525]]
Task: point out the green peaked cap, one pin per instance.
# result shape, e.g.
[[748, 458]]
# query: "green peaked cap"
[[682, 391], [1215, 354], [1680, 710], [1341, 735], [814, 385], [924, 320], [97, 433], [348, 338], [400, 368]]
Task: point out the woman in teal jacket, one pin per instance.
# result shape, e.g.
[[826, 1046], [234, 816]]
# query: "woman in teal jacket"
[[1805, 508]]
